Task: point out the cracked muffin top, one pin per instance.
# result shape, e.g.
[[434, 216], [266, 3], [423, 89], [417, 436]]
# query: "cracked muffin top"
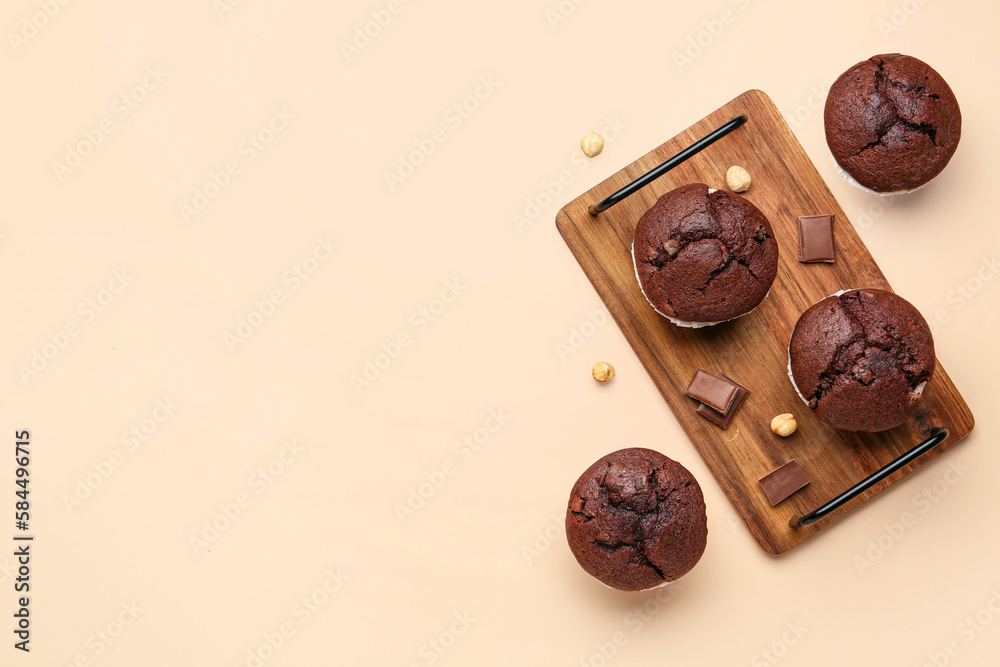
[[892, 122], [861, 359], [636, 520], [704, 256]]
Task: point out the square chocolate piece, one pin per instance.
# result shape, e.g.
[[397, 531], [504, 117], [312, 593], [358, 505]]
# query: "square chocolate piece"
[[783, 482], [816, 238], [726, 418], [712, 391]]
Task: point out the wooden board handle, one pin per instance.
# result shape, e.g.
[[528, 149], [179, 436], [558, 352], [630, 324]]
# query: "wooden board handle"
[[870, 481], [661, 169]]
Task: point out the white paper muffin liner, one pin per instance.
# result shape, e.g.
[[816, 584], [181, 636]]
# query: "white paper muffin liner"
[[642, 590]]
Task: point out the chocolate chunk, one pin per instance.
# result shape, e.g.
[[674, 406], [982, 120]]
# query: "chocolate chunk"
[[862, 372], [816, 238], [783, 482], [710, 390], [725, 419]]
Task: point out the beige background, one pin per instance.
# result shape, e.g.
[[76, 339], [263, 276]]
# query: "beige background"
[[503, 304]]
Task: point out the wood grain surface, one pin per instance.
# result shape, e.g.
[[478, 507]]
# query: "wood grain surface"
[[753, 349]]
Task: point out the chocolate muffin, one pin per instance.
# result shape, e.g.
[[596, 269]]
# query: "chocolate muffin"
[[892, 123], [704, 256], [636, 520], [860, 359]]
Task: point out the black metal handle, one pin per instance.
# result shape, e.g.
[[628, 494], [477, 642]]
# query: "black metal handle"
[[870, 481], [656, 172]]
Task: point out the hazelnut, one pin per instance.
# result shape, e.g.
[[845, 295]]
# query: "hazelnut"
[[592, 144], [784, 425], [603, 371], [737, 179]]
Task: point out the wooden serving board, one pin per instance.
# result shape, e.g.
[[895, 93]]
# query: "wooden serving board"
[[753, 349]]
